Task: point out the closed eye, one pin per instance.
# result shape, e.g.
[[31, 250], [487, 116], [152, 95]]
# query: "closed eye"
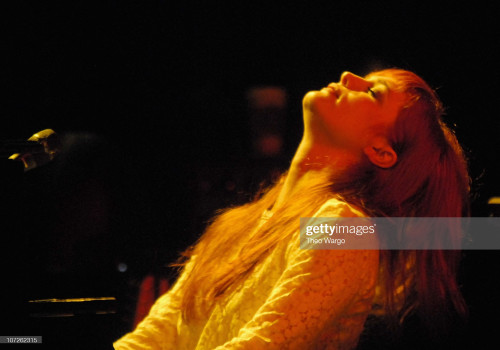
[[371, 92]]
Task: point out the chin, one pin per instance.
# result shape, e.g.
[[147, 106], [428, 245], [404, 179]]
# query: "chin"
[[318, 103], [308, 100], [313, 100]]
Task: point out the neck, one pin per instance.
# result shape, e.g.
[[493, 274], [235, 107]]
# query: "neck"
[[311, 156]]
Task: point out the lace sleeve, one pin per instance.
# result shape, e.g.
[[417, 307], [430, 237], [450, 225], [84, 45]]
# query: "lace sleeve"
[[317, 290], [159, 329]]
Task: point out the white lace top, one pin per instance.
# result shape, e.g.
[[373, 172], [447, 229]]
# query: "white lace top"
[[294, 299]]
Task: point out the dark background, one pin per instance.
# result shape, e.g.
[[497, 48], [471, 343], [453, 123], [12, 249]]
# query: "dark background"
[[149, 98]]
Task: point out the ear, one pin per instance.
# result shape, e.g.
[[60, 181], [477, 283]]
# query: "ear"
[[380, 153]]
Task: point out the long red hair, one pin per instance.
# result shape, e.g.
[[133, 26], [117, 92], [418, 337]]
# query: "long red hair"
[[430, 179]]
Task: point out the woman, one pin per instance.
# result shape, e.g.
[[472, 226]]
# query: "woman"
[[372, 146]]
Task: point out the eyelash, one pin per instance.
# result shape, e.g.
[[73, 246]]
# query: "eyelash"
[[371, 92]]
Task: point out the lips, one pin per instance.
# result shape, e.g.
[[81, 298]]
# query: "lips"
[[334, 89]]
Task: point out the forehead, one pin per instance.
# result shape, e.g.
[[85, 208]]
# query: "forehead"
[[389, 82]]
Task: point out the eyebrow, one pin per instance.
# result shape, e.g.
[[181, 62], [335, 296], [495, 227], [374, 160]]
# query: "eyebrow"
[[383, 82], [377, 80]]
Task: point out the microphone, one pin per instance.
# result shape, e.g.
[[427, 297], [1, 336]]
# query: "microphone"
[[38, 150]]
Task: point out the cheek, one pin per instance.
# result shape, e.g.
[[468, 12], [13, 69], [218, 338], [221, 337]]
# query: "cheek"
[[359, 112]]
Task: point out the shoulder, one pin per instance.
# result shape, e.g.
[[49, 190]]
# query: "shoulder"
[[318, 233], [335, 207]]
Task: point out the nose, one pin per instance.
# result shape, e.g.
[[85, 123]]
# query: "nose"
[[354, 82]]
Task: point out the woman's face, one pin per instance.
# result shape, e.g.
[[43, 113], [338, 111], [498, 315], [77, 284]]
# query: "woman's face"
[[349, 113]]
